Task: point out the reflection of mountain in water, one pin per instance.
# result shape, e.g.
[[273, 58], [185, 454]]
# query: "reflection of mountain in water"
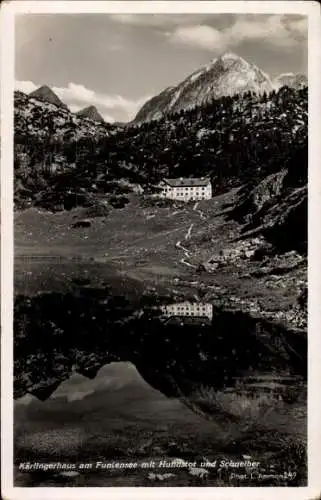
[[98, 377], [44, 390], [56, 335]]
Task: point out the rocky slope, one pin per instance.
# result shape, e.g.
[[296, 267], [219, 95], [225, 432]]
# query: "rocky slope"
[[234, 140], [277, 206], [226, 76]]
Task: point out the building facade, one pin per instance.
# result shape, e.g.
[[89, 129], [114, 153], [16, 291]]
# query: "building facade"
[[186, 189], [191, 309]]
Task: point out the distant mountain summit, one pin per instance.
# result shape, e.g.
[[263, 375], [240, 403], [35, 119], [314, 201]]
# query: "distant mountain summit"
[[225, 76], [91, 113], [291, 80], [34, 117], [45, 94]]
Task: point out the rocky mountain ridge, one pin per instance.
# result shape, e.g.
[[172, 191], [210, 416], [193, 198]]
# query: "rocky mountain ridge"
[[227, 75], [36, 119], [91, 113]]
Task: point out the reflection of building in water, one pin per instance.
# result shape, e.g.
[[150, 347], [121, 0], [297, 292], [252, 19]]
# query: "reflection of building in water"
[[192, 309]]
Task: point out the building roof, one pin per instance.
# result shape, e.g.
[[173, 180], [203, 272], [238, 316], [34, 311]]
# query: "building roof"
[[187, 181]]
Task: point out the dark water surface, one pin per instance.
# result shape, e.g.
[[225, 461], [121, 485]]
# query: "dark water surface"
[[104, 379]]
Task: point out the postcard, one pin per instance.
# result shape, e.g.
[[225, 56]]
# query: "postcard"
[[160, 200]]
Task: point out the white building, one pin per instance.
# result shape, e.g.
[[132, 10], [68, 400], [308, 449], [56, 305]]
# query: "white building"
[[192, 309], [186, 189]]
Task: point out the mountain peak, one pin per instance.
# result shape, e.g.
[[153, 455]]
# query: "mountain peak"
[[92, 113], [224, 59], [228, 75], [230, 60], [46, 94], [230, 56]]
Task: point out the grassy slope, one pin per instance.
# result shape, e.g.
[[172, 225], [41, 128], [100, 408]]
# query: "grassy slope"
[[139, 244]]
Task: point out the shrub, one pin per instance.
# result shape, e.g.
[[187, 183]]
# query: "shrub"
[[243, 407], [118, 201]]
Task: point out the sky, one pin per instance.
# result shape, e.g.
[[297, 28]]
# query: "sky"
[[118, 61]]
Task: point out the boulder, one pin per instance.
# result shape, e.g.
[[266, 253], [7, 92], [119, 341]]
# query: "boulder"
[[81, 224]]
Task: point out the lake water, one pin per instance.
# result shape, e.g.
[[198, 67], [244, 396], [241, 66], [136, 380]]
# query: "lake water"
[[114, 391]]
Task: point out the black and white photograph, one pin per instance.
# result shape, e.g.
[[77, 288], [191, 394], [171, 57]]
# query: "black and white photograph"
[[160, 232]]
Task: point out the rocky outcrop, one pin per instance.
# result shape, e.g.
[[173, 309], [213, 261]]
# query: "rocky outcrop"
[[252, 201], [284, 223], [244, 249], [276, 206]]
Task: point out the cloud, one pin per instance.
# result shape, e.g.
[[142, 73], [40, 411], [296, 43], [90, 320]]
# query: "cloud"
[[245, 29], [198, 29], [270, 29], [202, 36], [299, 27], [25, 86], [116, 47], [275, 30], [163, 21], [77, 96]]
